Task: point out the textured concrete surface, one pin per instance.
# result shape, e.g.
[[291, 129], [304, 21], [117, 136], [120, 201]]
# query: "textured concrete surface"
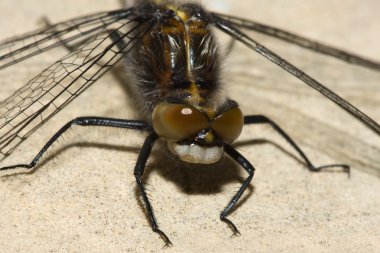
[[82, 197]]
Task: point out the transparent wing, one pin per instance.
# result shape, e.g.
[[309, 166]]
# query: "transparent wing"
[[300, 41], [228, 28], [19, 48], [56, 86]]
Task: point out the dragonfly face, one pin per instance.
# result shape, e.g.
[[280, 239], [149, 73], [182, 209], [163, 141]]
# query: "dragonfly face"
[[175, 64], [197, 136], [178, 61]]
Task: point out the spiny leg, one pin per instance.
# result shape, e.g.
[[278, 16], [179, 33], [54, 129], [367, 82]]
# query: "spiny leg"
[[83, 121], [235, 155], [138, 172], [141, 161], [261, 119]]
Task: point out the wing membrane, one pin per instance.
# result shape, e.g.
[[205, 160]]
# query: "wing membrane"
[[19, 48], [59, 84], [300, 41], [228, 28]]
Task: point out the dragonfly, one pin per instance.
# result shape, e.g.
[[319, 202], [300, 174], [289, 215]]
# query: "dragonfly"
[[197, 126]]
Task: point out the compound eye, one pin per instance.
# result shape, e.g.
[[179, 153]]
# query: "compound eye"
[[175, 122], [229, 124]]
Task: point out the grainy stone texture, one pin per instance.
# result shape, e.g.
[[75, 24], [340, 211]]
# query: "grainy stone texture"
[[82, 198]]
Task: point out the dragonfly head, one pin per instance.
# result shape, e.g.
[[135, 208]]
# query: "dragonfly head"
[[195, 134]]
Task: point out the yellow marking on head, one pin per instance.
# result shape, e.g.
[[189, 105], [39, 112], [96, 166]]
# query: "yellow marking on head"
[[196, 100], [210, 112], [209, 137], [195, 97]]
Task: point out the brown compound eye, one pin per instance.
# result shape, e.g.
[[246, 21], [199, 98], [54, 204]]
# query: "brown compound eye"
[[229, 124], [175, 122]]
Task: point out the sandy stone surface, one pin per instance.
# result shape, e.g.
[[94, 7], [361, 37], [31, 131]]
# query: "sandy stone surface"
[[82, 197]]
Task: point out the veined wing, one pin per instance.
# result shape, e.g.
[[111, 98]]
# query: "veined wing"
[[19, 48], [300, 41], [59, 84], [329, 139], [228, 27]]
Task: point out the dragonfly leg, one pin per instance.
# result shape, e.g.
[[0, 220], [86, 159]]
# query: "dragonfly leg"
[[83, 121], [235, 155], [261, 119]]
